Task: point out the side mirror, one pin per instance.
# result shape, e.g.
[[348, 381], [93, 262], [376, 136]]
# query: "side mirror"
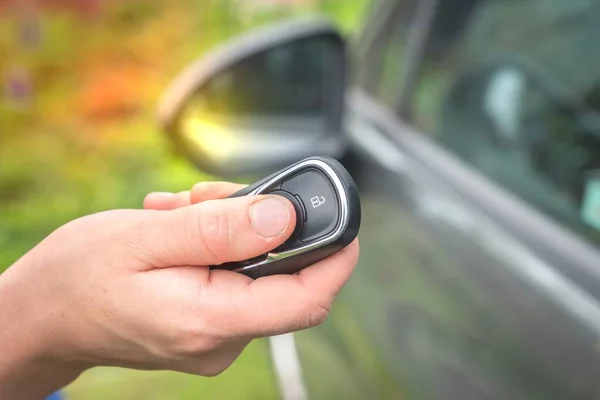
[[262, 101]]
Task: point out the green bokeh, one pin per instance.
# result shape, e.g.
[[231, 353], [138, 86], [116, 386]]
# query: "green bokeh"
[[86, 140], [251, 378]]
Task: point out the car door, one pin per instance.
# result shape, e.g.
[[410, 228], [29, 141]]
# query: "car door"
[[473, 140]]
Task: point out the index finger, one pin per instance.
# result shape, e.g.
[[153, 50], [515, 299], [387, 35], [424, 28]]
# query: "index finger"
[[201, 192], [204, 191], [282, 304]]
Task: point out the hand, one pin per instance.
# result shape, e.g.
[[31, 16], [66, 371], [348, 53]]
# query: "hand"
[[131, 288]]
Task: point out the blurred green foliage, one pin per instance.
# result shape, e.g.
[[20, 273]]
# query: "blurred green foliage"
[[83, 137], [250, 377], [78, 135]]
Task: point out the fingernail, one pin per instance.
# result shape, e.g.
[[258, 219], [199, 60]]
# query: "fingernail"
[[270, 217]]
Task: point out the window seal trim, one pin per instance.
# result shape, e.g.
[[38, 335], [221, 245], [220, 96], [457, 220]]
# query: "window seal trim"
[[418, 37], [574, 256], [379, 21]]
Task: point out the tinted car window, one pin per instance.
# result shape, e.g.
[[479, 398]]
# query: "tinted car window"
[[383, 44], [514, 90]]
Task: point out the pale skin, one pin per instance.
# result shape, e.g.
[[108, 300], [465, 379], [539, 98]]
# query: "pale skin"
[[130, 288]]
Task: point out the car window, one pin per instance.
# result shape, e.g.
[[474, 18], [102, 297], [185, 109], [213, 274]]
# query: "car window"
[[513, 88], [383, 43]]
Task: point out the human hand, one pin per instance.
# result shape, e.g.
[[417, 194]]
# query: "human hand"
[[131, 288]]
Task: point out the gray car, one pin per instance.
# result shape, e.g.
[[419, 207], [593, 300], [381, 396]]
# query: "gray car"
[[472, 130]]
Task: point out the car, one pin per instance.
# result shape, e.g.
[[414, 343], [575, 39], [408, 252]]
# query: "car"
[[471, 128]]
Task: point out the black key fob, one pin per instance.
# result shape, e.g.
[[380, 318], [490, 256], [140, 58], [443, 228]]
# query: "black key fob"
[[327, 216]]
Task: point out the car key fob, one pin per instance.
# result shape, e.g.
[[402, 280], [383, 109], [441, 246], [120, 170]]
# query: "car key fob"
[[328, 215]]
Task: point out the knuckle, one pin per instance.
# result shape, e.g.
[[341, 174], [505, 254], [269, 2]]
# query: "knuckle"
[[199, 190], [192, 341], [209, 231], [136, 241], [318, 316], [318, 312], [217, 367], [200, 186]]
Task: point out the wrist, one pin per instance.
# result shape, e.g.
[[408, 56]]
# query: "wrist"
[[29, 368]]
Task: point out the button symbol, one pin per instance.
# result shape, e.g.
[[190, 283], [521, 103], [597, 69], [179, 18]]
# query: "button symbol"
[[317, 201]]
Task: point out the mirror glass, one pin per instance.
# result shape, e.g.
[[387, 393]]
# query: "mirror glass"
[[278, 105], [288, 80]]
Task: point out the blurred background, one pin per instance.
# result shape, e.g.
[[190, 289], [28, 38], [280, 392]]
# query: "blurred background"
[[479, 280], [79, 83]]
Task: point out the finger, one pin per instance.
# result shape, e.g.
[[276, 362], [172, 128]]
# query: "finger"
[[204, 191], [212, 363], [282, 304], [215, 231], [166, 200], [322, 278]]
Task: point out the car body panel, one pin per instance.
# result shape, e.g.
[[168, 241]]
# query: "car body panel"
[[466, 287], [447, 301]]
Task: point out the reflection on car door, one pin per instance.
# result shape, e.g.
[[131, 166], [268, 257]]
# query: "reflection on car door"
[[450, 301]]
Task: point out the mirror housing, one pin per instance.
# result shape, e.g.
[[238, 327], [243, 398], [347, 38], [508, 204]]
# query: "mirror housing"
[[261, 101]]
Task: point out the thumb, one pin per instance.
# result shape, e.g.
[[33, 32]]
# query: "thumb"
[[217, 231]]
